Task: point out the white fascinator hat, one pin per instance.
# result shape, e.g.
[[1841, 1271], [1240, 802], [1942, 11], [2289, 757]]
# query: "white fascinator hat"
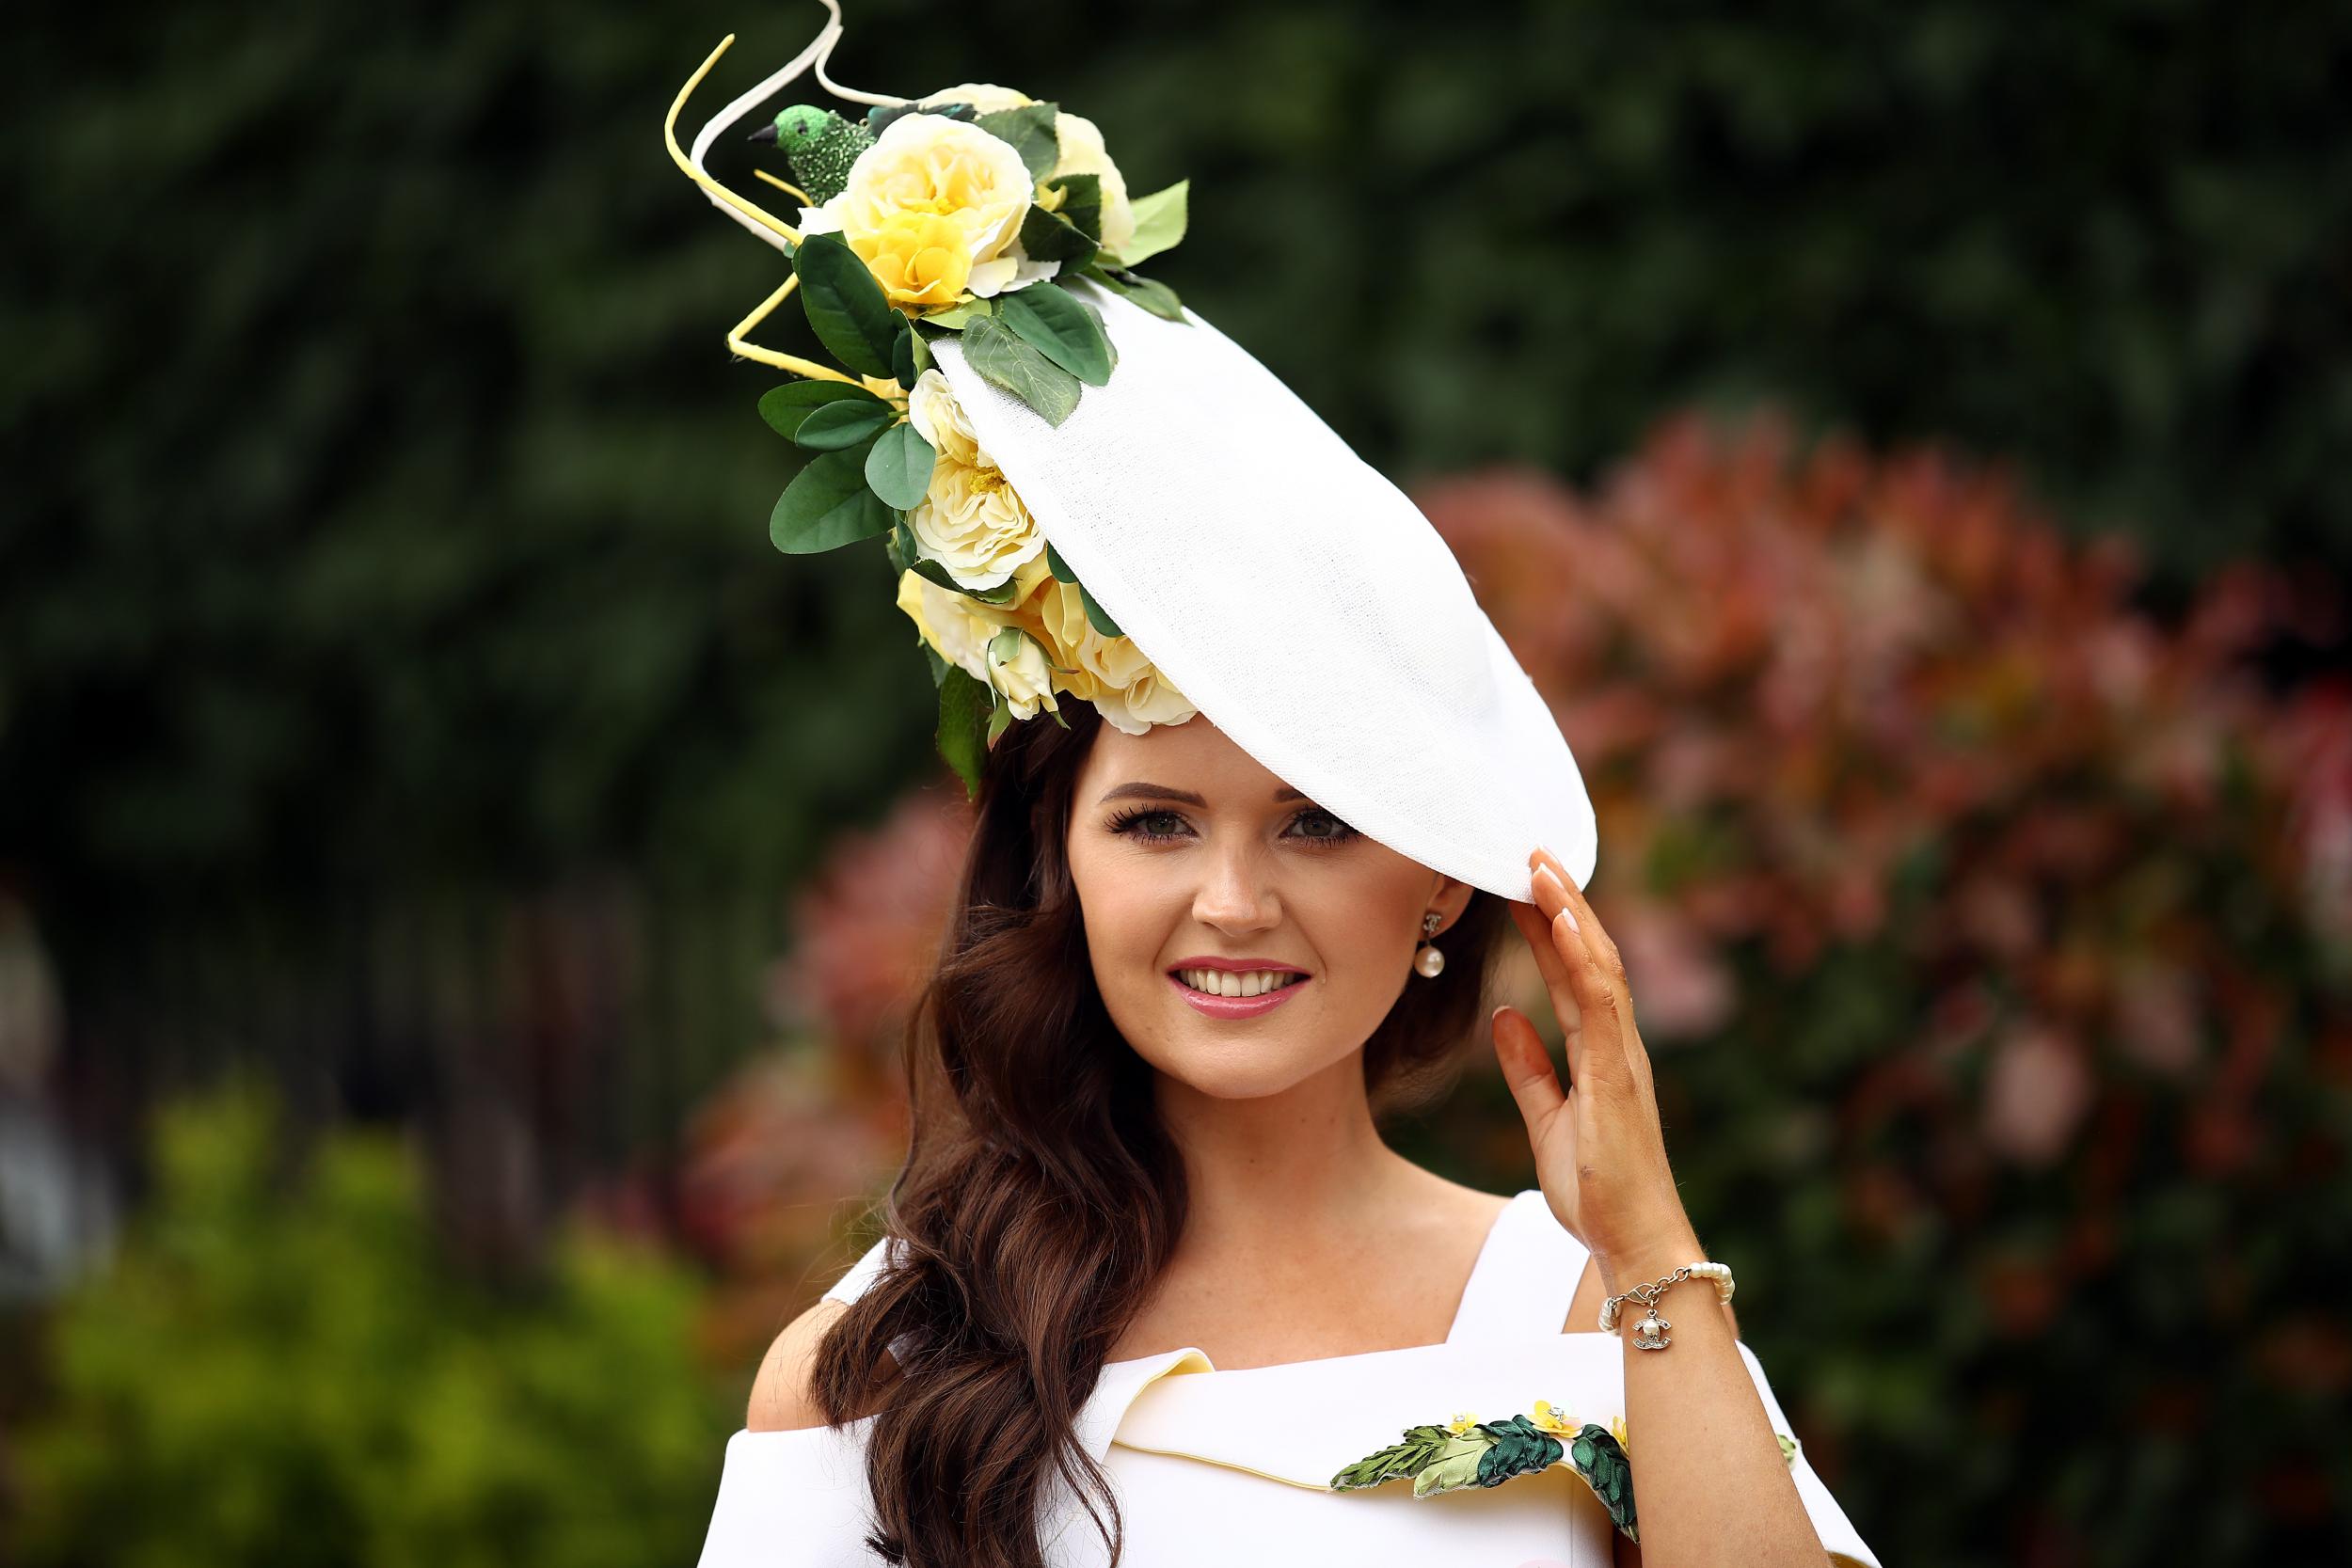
[[1088, 493]]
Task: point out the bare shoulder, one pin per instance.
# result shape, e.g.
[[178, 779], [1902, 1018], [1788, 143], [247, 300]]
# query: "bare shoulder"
[[779, 1399]]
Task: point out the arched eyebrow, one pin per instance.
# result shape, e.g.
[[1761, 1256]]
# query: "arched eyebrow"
[[1142, 790]]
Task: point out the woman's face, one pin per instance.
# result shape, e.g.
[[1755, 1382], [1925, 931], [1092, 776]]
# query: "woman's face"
[[1196, 868]]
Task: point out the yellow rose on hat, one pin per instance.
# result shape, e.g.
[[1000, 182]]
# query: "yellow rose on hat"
[[1147, 699], [972, 186], [971, 636], [1125, 688], [920, 259]]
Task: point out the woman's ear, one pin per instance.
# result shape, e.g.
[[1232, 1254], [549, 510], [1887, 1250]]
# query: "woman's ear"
[[1453, 895]]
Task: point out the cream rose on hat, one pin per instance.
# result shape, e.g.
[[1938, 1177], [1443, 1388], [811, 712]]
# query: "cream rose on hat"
[[970, 519], [1082, 152], [988, 644], [972, 528], [1125, 688]]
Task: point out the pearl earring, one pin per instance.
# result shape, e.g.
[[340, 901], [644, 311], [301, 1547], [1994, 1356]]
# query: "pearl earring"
[[1428, 962]]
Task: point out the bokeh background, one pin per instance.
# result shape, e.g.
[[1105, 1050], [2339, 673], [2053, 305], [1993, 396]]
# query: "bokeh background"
[[459, 888]]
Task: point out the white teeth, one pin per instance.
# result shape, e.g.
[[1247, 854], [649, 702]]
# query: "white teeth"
[[1225, 982]]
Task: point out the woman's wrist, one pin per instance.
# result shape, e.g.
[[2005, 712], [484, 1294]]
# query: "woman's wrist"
[[1652, 1259]]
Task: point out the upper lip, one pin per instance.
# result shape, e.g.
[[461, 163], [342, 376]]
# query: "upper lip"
[[1238, 966]]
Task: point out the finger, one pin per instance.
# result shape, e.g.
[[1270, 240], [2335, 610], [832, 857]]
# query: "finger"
[[1527, 1067], [1601, 1053], [1555, 893], [1603, 1008], [1587, 922], [1536, 927], [1552, 964]]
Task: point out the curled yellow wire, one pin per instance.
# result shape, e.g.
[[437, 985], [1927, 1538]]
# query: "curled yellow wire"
[[739, 339], [793, 190]]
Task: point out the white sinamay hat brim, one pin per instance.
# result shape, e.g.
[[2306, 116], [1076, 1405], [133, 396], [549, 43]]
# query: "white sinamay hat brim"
[[1294, 595]]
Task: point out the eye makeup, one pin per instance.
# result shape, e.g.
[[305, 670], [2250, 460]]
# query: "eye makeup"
[[1148, 825]]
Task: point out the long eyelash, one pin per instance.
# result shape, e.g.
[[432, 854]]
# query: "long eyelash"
[[1127, 822]]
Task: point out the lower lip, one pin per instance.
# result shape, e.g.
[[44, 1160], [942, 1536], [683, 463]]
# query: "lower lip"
[[1237, 1006]]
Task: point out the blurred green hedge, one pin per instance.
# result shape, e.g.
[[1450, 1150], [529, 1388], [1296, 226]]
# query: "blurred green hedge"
[[281, 1368], [381, 497]]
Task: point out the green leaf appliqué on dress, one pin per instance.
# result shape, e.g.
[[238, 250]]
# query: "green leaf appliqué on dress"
[[1488, 1453]]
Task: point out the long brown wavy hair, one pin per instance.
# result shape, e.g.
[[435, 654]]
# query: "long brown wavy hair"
[[1041, 1196]]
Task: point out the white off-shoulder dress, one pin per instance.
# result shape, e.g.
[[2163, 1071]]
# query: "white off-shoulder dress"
[[1234, 1467]]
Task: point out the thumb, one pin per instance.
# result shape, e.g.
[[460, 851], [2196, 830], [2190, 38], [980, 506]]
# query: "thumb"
[[1526, 1064]]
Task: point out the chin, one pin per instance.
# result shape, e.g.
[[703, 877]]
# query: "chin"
[[1239, 1068]]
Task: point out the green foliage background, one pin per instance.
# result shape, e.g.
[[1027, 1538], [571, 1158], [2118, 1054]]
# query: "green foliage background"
[[281, 1366], [382, 499]]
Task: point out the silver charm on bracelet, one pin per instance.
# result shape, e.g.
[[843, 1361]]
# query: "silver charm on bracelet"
[[1650, 1333]]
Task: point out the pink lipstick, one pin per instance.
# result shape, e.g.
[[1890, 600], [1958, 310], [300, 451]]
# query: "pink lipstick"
[[1237, 1006]]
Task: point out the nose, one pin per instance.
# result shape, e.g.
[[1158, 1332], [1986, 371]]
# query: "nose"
[[1235, 894]]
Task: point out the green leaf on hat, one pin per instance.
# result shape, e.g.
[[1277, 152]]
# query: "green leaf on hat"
[[963, 716], [847, 309], [1099, 618], [930, 567], [999, 720], [1072, 231], [1000, 355], [1059, 326], [939, 666], [1081, 203], [1030, 129], [881, 116], [1159, 223], [1051, 237], [845, 423], [784, 407], [909, 358], [957, 316], [899, 466], [1158, 298], [827, 506]]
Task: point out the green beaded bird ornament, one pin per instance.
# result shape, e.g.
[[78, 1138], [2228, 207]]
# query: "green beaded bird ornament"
[[820, 145]]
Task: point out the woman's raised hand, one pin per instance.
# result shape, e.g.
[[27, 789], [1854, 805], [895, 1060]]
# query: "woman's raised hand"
[[1601, 1154]]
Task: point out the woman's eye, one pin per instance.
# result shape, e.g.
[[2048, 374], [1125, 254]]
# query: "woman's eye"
[[1322, 826], [1150, 824]]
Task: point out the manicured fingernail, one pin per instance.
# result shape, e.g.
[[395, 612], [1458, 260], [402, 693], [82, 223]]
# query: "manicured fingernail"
[[1569, 915]]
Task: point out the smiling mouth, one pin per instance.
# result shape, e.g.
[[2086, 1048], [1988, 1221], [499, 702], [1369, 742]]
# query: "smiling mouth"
[[1243, 983]]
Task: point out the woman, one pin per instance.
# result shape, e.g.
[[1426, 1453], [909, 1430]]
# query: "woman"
[[1258, 788]]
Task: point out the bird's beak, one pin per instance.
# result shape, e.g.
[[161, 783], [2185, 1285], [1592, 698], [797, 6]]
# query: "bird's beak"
[[765, 134]]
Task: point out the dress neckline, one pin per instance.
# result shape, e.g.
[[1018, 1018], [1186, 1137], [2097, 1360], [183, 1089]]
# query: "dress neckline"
[[1490, 1251]]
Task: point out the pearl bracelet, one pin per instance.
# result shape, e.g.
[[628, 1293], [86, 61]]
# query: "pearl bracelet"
[[1650, 1333]]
